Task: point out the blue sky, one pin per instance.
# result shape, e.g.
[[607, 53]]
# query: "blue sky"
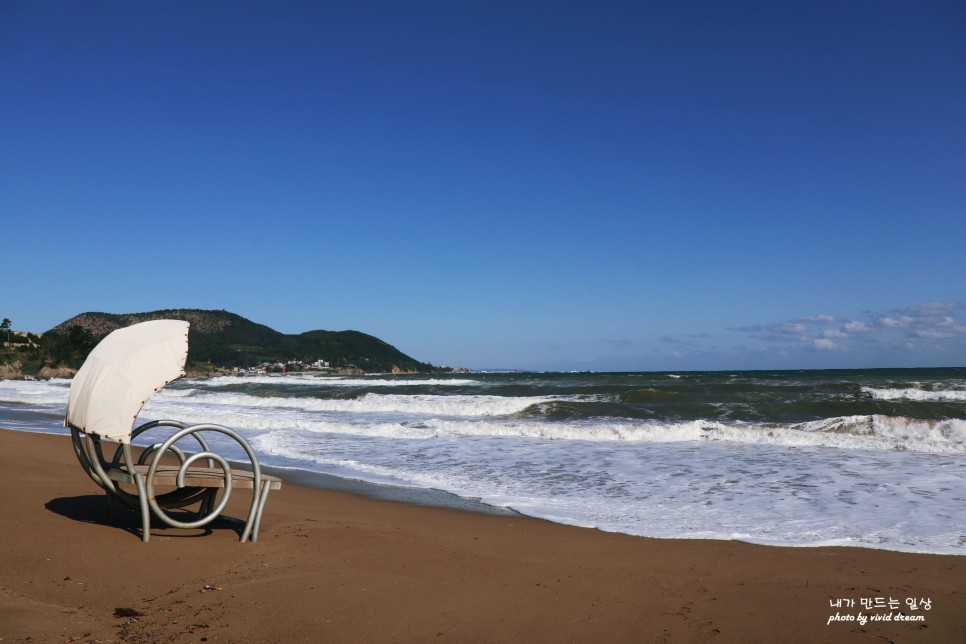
[[536, 185]]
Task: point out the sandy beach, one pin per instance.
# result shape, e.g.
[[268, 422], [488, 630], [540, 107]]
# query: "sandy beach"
[[334, 567]]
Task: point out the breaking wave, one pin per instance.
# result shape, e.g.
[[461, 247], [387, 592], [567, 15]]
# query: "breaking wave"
[[916, 393], [302, 380]]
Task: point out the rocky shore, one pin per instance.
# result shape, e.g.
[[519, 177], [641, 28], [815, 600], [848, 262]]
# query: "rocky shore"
[[13, 371]]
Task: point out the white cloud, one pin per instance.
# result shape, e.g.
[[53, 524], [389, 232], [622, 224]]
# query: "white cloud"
[[927, 329], [783, 330], [929, 320], [894, 322], [819, 319], [857, 327], [824, 344], [932, 334]]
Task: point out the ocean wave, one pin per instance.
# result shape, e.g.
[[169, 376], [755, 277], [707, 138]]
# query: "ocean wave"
[[303, 380], [857, 432], [915, 393], [370, 403], [35, 392], [876, 432], [883, 433]]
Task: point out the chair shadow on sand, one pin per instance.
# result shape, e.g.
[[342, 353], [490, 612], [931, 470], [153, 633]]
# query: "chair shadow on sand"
[[93, 509]]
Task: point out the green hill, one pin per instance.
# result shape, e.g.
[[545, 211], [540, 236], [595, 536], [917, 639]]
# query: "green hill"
[[226, 340]]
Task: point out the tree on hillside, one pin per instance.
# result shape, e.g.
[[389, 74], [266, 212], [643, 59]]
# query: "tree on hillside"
[[81, 341], [68, 349], [5, 326]]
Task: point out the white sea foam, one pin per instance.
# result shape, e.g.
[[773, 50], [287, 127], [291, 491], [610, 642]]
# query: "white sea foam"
[[915, 393], [35, 392], [771, 495], [370, 403], [429, 416], [859, 432]]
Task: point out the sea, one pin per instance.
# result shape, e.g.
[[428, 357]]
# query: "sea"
[[868, 458]]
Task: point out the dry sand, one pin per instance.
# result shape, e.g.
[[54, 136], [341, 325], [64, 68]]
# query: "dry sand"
[[333, 567]]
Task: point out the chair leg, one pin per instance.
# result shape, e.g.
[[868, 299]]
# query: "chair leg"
[[252, 513], [145, 511], [250, 533], [207, 504], [266, 486]]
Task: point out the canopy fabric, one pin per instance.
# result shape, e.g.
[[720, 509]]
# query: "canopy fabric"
[[122, 373]]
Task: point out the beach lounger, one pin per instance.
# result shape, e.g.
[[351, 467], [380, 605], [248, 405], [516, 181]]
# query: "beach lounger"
[[122, 372]]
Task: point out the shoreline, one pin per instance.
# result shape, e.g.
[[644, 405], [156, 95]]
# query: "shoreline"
[[417, 496], [336, 566], [443, 499]]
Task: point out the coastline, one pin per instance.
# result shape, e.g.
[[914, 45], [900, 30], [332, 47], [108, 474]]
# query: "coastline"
[[337, 566], [430, 498]]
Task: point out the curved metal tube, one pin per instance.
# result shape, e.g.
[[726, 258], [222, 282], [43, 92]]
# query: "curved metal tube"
[[88, 449], [174, 449], [209, 514]]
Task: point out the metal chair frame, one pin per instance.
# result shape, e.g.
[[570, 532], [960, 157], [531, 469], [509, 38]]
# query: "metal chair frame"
[[191, 484]]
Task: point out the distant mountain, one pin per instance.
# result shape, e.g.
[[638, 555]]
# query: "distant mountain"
[[228, 340]]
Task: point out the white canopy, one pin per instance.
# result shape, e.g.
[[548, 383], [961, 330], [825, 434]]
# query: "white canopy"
[[122, 373]]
